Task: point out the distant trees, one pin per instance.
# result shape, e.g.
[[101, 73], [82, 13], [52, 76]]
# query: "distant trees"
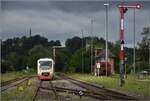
[[75, 63], [143, 50], [73, 44], [63, 56], [17, 53], [145, 44], [54, 43], [37, 52]]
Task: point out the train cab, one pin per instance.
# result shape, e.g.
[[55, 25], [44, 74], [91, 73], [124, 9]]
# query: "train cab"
[[45, 69]]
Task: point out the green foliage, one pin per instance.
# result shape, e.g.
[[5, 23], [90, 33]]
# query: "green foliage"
[[62, 60], [17, 53], [5, 64], [13, 59], [36, 53], [73, 44], [143, 50], [17, 74], [141, 65], [132, 85], [115, 50], [87, 62], [75, 63]]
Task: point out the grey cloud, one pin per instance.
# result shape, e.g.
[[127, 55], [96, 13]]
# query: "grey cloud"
[[51, 23], [61, 20], [67, 6]]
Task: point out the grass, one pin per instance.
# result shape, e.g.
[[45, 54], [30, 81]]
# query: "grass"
[[20, 95], [18, 74], [132, 85], [22, 92]]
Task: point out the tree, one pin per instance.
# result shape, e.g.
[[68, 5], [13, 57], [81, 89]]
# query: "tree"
[[54, 43], [17, 52], [75, 63], [116, 50], [36, 53], [144, 49], [14, 61], [6, 66], [62, 60], [73, 44]]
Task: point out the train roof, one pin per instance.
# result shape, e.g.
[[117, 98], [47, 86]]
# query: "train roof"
[[44, 59]]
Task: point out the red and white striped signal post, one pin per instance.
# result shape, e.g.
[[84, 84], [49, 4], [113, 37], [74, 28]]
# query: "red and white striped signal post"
[[123, 9]]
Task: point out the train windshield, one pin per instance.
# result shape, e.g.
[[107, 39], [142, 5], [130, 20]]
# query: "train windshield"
[[45, 64]]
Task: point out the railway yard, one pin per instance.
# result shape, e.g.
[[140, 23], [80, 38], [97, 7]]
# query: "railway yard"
[[62, 88], [68, 50]]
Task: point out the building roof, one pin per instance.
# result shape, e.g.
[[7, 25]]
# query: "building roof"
[[101, 54]]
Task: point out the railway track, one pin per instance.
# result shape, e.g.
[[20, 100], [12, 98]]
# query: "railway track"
[[107, 94], [12, 83], [91, 90], [56, 90], [37, 90], [79, 93], [40, 89], [4, 83], [51, 90]]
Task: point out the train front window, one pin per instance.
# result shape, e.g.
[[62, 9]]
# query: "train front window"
[[45, 64]]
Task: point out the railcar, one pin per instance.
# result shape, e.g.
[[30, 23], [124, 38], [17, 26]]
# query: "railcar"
[[103, 68], [45, 69]]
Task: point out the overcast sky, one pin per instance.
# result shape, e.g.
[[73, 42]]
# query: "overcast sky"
[[59, 20]]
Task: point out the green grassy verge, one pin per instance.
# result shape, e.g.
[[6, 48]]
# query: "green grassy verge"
[[18, 74], [132, 85], [22, 92]]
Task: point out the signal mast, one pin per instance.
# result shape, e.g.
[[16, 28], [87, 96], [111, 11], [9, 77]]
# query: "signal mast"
[[123, 8]]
